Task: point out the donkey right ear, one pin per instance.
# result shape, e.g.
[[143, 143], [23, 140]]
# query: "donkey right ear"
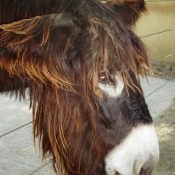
[[38, 47], [127, 10]]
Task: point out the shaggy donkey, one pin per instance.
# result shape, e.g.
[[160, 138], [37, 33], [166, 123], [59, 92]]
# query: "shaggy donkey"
[[81, 62]]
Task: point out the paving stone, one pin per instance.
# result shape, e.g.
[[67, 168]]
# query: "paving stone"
[[13, 114], [151, 84], [166, 134], [10, 167], [161, 99], [17, 152], [46, 170]]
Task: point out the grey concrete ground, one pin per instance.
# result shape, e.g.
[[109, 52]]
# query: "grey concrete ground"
[[18, 156]]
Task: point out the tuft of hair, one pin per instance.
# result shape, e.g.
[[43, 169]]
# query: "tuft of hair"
[[128, 11], [58, 49]]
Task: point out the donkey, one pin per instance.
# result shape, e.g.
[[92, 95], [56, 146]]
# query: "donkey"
[[81, 61]]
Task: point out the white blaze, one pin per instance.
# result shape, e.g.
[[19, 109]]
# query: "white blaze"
[[139, 149], [110, 90]]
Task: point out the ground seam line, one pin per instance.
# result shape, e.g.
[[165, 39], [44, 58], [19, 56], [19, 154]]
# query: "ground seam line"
[[15, 129], [158, 88], [42, 166]]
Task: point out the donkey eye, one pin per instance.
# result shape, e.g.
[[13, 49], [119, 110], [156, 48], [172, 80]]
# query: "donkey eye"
[[103, 79], [106, 79]]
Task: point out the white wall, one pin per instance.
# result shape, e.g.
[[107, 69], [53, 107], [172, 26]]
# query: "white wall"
[[157, 30]]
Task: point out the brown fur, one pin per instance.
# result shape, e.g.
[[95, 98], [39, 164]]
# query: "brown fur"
[[59, 55], [128, 10]]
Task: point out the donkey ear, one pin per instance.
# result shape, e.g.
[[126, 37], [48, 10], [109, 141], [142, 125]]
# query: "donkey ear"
[[127, 10], [38, 47]]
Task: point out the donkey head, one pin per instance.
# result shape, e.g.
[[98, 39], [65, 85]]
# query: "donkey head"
[[81, 63]]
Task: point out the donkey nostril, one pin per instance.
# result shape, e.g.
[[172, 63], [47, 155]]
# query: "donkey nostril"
[[142, 172], [117, 173]]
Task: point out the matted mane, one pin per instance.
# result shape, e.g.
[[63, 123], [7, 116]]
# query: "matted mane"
[[59, 50]]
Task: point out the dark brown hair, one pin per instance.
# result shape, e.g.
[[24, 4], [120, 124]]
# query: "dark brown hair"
[[58, 49]]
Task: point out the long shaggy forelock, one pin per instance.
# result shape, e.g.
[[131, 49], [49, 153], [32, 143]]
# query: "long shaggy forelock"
[[113, 47], [62, 70]]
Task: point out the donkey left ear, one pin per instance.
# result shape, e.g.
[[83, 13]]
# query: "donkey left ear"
[[127, 10]]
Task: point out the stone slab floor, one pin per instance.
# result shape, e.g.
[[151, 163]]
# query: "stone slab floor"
[[18, 156]]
